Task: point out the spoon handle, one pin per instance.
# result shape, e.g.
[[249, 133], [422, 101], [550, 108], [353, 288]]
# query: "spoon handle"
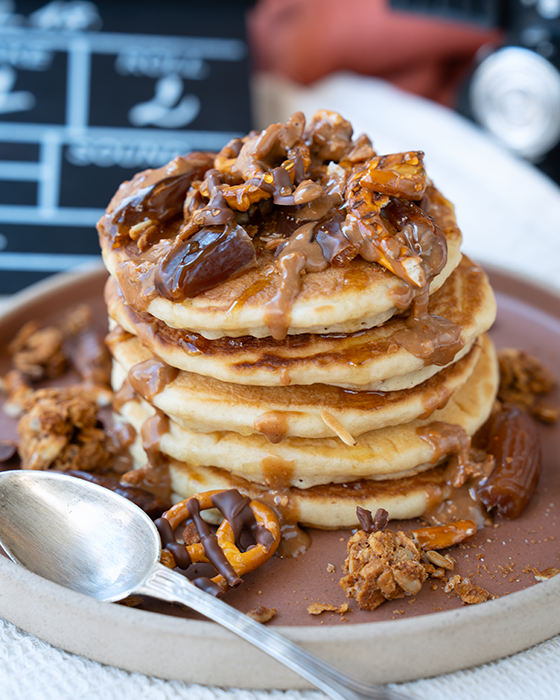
[[167, 585]]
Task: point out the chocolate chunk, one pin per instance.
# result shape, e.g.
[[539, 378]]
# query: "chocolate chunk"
[[365, 519], [370, 523]]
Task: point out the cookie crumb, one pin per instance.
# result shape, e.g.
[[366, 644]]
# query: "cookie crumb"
[[546, 574], [468, 592], [318, 608], [262, 614]]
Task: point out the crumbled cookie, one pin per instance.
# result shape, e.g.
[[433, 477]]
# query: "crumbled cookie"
[[467, 591], [262, 614], [76, 320], [59, 430], [381, 566], [318, 608], [37, 352], [523, 381], [18, 389], [547, 573]]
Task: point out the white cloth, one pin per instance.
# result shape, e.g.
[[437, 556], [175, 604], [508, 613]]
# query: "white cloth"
[[509, 215]]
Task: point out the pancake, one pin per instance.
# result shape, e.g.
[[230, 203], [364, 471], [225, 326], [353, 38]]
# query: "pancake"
[[284, 232], [336, 300], [329, 507], [304, 462], [203, 404], [371, 360]]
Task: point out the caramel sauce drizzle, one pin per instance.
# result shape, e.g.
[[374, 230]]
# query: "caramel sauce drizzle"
[[154, 476], [120, 437]]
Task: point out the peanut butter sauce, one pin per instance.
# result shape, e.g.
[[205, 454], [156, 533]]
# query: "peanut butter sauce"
[[462, 473], [154, 476], [150, 377], [91, 358], [299, 254], [125, 394], [434, 339], [152, 431], [277, 472], [273, 425], [120, 437]]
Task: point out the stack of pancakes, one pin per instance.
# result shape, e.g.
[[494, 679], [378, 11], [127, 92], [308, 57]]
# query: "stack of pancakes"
[[292, 317]]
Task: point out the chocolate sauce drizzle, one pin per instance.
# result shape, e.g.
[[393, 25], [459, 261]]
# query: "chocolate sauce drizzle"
[[211, 547], [237, 511]]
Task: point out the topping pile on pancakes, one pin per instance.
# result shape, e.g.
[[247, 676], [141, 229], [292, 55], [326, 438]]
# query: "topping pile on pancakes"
[[292, 317]]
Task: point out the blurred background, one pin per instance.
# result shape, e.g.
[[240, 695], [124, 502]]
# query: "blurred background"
[[92, 92]]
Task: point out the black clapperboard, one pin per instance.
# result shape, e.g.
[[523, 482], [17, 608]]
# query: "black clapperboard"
[[92, 92]]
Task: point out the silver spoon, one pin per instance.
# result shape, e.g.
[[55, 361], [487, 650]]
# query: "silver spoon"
[[89, 539]]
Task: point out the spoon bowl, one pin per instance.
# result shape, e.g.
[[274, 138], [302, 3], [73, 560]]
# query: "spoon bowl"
[[87, 538], [75, 533]]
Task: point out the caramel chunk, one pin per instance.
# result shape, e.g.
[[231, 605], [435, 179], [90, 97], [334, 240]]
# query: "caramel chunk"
[[59, 430], [398, 174], [443, 536], [381, 566]]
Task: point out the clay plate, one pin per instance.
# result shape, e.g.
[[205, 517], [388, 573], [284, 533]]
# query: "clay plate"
[[402, 640]]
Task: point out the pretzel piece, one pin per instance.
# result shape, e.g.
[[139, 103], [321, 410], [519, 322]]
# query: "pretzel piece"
[[221, 550]]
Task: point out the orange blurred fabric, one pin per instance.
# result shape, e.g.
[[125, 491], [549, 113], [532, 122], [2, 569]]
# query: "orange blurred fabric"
[[308, 39]]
